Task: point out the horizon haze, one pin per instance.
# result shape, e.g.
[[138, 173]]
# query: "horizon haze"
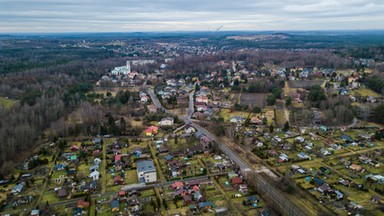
[[59, 16]]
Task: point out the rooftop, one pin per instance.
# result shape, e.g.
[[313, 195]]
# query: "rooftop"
[[145, 166]]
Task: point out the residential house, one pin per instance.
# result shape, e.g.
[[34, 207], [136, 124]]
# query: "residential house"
[[62, 193], [59, 167], [256, 120], [197, 196], [146, 171], [94, 168], [192, 183], [115, 205], [95, 175], [324, 170], [152, 108], [355, 167], [187, 199], [347, 138], [283, 158], [168, 121], [152, 130], [302, 155], [325, 188], [18, 188], [205, 205], [251, 200], [236, 181], [196, 149], [202, 99], [189, 129], [144, 99], [82, 204], [201, 108], [299, 139], [118, 180], [378, 179], [237, 119], [243, 188], [177, 185]]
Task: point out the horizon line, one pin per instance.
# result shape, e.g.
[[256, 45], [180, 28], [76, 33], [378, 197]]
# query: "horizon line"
[[190, 31]]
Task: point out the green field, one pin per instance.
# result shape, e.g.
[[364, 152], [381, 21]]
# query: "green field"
[[7, 103], [364, 92]]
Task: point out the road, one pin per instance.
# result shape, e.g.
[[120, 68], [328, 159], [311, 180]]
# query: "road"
[[156, 101]]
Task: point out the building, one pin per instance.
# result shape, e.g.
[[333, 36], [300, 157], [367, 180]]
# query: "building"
[[146, 171], [168, 121]]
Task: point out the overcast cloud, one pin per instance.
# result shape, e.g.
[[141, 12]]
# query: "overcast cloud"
[[180, 15]]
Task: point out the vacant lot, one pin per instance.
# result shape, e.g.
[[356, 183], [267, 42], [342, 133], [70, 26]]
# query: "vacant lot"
[[304, 83], [254, 99]]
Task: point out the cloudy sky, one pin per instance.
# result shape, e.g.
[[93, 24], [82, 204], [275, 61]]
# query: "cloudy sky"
[[182, 15]]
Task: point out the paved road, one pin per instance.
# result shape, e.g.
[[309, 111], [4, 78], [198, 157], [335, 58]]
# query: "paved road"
[[156, 101]]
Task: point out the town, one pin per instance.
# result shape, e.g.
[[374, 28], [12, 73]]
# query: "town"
[[238, 139]]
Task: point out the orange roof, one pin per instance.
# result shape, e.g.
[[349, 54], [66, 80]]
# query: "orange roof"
[[196, 188]]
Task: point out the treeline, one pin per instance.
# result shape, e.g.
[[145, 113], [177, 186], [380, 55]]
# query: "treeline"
[[46, 97]]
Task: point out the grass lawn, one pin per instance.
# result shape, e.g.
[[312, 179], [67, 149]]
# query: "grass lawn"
[[171, 205], [367, 92], [131, 177], [7, 103], [147, 193], [57, 174], [50, 197]]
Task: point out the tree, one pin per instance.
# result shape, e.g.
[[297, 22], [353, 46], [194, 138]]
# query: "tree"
[[256, 109], [378, 114], [286, 126], [271, 100], [316, 95], [288, 101]]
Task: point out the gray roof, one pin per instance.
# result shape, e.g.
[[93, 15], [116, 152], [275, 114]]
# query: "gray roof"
[[145, 166]]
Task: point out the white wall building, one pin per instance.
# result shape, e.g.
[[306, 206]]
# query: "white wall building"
[[146, 171]]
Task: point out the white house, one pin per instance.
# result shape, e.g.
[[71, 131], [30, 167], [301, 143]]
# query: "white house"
[[237, 119], [18, 188], [168, 121], [94, 175], [299, 139], [189, 130], [144, 99], [202, 99], [146, 171], [97, 161]]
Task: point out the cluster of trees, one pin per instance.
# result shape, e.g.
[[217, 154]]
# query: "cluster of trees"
[[316, 95], [376, 83], [46, 95]]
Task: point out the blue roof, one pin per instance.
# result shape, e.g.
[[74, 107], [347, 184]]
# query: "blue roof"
[[145, 166], [318, 182], [115, 204], [97, 140], [252, 198], [205, 204], [94, 167], [346, 137], [18, 187], [168, 157]]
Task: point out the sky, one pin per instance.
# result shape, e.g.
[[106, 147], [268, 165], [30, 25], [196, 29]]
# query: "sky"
[[55, 16]]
